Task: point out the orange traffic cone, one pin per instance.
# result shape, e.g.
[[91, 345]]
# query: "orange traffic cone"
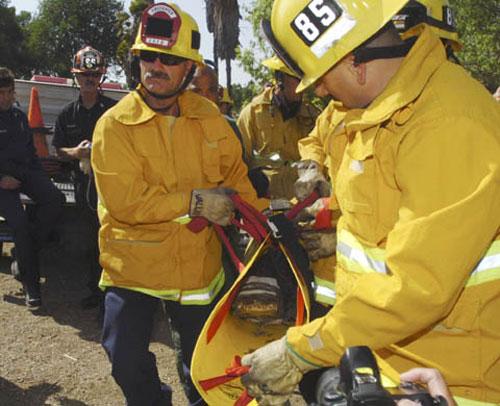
[[35, 120]]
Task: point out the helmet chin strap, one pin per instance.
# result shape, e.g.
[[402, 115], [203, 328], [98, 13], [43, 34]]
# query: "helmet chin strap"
[[184, 84]]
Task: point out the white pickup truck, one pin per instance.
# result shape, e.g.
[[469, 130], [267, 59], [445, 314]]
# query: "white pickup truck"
[[54, 93]]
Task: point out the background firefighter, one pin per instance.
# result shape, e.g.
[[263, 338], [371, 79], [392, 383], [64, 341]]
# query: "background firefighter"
[[73, 141], [271, 125]]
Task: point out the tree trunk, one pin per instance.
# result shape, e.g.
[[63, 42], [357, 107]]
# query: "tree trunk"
[[228, 74], [216, 56]]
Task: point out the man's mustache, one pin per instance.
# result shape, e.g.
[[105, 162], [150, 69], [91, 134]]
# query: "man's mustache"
[[155, 74]]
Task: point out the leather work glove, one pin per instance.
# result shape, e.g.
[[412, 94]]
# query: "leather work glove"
[[310, 178], [274, 373], [213, 204], [319, 244], [317, 216]]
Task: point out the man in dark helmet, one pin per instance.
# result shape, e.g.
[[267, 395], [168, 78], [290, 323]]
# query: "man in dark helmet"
[[162, 155], [72, 140]]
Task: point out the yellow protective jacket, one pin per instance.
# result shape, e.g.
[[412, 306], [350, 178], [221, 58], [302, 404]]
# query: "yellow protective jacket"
[[325, 144], [145, 166], [270, 141], [418, 273]]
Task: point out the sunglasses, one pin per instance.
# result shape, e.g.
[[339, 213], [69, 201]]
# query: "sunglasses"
[[165, 59]]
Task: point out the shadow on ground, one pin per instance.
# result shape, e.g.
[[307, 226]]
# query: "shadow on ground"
[[63, 266], [37, 395]]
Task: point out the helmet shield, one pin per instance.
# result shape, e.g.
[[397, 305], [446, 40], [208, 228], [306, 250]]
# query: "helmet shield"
[[88, 59], [160, 26], [165, 28]]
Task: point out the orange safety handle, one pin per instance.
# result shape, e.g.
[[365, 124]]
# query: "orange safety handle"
[[236, 370]]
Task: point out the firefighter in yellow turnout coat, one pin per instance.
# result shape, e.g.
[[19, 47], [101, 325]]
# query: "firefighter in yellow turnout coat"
[[417, 182], [271, 126], [161, 155]]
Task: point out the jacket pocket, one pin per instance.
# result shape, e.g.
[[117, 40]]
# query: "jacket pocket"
[[464, 315], [356, 188], [141, 255], [213, 135]]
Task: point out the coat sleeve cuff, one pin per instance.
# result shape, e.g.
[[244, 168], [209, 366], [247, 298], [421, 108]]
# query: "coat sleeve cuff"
[[311, 345]]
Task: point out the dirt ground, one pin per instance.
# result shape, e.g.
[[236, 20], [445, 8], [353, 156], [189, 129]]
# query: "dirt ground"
[[53, 357]]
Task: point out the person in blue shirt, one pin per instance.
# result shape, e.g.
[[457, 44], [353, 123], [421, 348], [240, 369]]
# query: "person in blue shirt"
[[21, 172]]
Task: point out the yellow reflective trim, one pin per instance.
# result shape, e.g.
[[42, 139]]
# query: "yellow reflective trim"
[[488, 269], [324, 291], [186, 297], [469, 402], [378, 254], [204, 296], [358, 258], [483, 277], [186, 219]]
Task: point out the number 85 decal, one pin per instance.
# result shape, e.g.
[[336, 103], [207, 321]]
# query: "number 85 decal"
[[315, 19]]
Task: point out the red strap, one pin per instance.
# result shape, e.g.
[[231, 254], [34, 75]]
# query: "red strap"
[[249, 228], [225, 240], [221, 315], [299, 318], [244, 399], [234, 371], [251, 215], [324, 216], [292, 213], [197, 224]]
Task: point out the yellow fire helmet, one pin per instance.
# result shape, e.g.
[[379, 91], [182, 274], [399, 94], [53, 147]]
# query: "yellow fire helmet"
[[165, 28], [226, 98], [311, 36], [276, 64], [435, 13], [88, 59]]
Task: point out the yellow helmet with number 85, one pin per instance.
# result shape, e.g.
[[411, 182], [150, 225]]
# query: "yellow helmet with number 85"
[[311, 36]]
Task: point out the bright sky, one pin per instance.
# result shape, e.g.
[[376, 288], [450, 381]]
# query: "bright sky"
[[197, 9]]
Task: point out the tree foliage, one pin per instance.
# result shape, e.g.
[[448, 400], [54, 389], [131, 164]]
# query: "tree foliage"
[[12, 40], [242, 94], [251, 57], [479, 29], [128, 25], [62, 27]]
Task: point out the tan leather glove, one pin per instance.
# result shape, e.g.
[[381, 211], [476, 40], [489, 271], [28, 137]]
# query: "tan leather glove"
[[319, 244], [310, 177], [213, 204], [274, 373]]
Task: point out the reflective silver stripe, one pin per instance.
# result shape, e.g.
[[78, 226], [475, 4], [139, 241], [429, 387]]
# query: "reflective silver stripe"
[[488, 269], [487, 263], [361, 258], [325, 295], [324, 291], [204, 296]]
